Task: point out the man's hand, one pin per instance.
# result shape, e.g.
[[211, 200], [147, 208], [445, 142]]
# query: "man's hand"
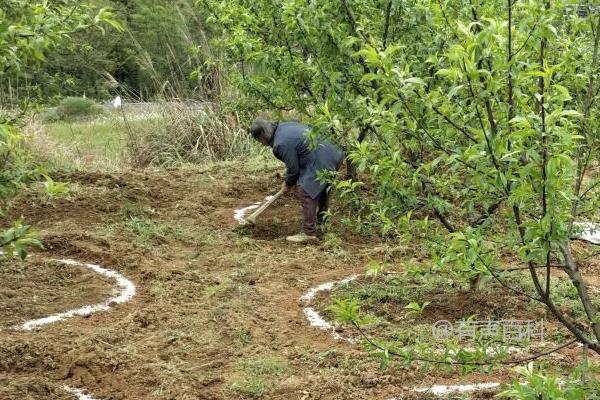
[[285, 188]]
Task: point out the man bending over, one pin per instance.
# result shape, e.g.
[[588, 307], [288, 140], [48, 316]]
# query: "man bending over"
[[290, 145]]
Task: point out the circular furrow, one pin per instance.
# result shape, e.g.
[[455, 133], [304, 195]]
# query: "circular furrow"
[[125, 292]]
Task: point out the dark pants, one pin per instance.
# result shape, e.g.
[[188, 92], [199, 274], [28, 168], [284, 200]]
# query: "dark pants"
[[313, 210]]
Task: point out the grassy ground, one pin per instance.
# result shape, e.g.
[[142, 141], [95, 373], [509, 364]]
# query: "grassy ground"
[[98, 138], [99, 144], [117, 140]]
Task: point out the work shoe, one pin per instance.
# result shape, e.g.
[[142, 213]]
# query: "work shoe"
[[302, 238]]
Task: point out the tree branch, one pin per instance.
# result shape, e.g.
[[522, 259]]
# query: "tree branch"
[[488, 213], [388, 13], [582, 163], [577, 280], [547, 300], [352, 21], [455, 125]]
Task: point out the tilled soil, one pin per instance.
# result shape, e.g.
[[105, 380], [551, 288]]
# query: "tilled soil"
[[31, 388], [213, 297], [36, 289]]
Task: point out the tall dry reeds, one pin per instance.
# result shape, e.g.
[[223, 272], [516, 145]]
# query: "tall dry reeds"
[[187, 133]]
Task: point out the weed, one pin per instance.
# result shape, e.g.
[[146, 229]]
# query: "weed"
[[412, 334], [218, 314], [219, 289], [333, 243], [229, 282], [243, 336], [78, 145], [54, 189], [107, 230], [188, 133], [148, 231], [256, 370], [327, 357], [129, 210], [566, 293], [158, 291], [375, 268], [251, 387], [415, 309], [264, 365]]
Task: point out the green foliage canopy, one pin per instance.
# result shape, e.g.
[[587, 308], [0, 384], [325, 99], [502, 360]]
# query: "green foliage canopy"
[[469, 120]]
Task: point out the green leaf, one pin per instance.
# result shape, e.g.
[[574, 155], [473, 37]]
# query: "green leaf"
[[105, 15], [414, 80]]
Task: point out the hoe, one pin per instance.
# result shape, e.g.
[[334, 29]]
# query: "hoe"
[[252, 218]]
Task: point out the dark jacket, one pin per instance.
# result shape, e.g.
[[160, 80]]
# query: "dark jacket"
[[291, 146]]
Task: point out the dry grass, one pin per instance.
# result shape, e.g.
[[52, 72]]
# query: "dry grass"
[[187, 133]]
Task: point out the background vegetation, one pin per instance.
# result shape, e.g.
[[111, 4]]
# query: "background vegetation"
[[162, 50]]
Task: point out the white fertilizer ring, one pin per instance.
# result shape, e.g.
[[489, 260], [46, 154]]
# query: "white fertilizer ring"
[[80, 394], [589, 231], [314, 317], [124, 293], [446, 390]]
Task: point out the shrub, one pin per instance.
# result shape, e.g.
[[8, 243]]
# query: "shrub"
[[16, 168], [50, 114], [77, 107]]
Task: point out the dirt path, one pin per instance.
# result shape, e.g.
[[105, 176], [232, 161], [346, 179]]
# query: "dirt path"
[[215, 301]]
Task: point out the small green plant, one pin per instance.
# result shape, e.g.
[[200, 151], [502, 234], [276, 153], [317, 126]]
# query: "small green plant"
[[375, 268], [54, 189], [243, 336], [415, 309], [347, 311], [333, 243], [539, 386], [16, 240]]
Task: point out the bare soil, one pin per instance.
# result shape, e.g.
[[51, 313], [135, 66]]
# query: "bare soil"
[[36, 289], [31, 388], [216, 302]]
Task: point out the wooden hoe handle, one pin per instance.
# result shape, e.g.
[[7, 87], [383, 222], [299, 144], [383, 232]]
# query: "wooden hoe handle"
[[263, 207]]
